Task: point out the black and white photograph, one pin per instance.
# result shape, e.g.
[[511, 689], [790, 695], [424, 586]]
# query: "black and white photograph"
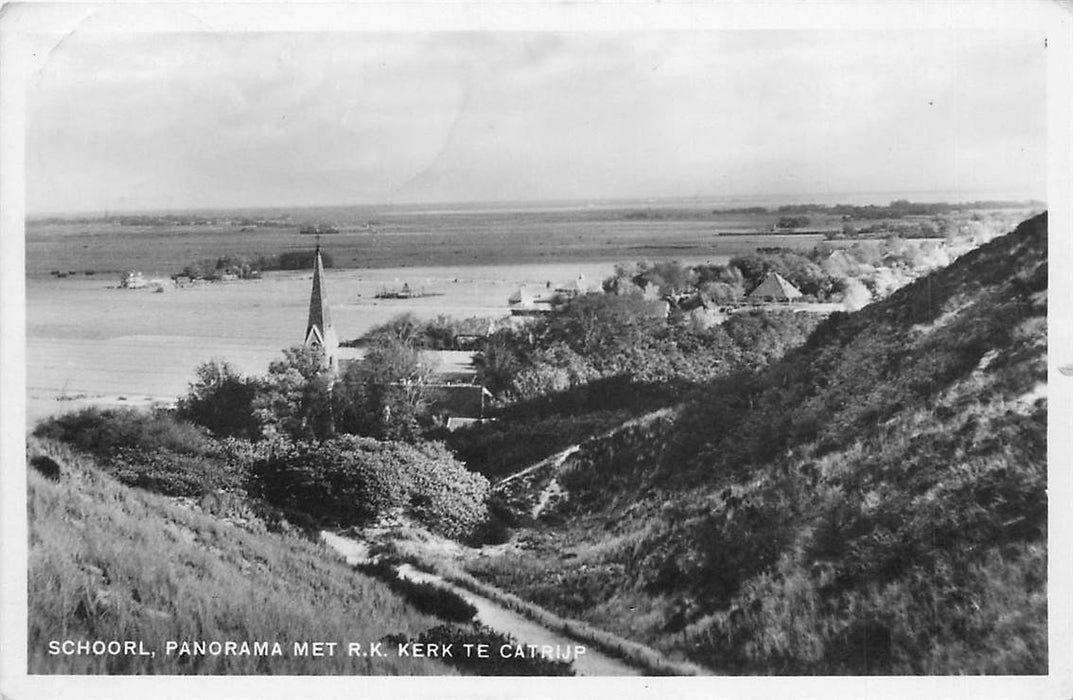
[[403, 350]]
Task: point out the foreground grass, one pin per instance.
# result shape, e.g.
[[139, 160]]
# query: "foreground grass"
[[107, 562]]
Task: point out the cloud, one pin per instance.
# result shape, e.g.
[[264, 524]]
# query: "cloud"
[[202, 119]]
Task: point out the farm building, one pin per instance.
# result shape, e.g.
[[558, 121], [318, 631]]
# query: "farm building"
[[577, 287], [528, 301], [774, 288]]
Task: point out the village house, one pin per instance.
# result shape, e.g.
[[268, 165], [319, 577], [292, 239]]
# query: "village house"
[[534, 301], [774, 288]]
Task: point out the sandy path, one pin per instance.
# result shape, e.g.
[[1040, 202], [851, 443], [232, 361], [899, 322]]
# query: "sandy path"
[[494, 615]]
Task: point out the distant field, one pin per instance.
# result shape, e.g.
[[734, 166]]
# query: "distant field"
[[414, 239]]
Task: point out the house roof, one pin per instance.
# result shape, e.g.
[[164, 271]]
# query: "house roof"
[[775, 286], [460, 400]]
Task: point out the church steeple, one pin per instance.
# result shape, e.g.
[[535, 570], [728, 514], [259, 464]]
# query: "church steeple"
[[319, 329]]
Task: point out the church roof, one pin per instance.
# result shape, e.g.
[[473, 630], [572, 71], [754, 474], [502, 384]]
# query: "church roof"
[[319, 328], [776, 287]]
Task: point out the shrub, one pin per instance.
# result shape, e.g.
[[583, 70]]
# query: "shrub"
[[173, 473], [153, 450], [46, 467], [350, 480], [103, 431]]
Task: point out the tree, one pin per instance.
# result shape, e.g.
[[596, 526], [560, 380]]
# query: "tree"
[[294, 399], [753, 269], [606, 329], [387, 394], [793, 222], [504, 354], [672, 278], [221, 399]]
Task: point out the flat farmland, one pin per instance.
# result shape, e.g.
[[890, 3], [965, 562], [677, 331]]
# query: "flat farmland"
[[379, 240], [91, 342]]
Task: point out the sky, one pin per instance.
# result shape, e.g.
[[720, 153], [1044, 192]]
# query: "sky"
[[232, 119]]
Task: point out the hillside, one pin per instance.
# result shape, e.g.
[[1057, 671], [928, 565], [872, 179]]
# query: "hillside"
[[108, 562], [875, 502]]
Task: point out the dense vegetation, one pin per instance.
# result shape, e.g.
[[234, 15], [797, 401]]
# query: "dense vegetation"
[[350, 480], [247, 265], [600, 360], [873, 502], [344, 480], [439, 333], [824, 273], [150, 450]]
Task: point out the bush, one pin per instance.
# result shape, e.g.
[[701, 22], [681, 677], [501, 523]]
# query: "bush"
[[172, 473], [350, 480], [103, 431], [154, 451], [793, 222]]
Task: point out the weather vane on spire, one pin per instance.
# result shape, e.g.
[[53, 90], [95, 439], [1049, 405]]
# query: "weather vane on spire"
[[318, 230]]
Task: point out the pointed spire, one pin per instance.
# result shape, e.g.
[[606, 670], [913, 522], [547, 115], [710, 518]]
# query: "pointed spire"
[[319, 329]]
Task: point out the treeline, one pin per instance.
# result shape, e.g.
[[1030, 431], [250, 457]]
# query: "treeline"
[[895, 210], [903, 207], [247, 265], [167, 220]]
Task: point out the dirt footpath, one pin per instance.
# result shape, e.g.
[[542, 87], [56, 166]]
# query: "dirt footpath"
[[492, 614]]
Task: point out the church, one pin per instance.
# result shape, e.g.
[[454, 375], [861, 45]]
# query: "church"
[[319, 329], [458, 399]]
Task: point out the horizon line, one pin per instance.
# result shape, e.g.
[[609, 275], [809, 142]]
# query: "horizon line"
[[706, 200]]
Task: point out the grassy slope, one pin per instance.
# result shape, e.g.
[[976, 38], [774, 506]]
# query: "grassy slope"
[[110, 562], [874, 503]]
